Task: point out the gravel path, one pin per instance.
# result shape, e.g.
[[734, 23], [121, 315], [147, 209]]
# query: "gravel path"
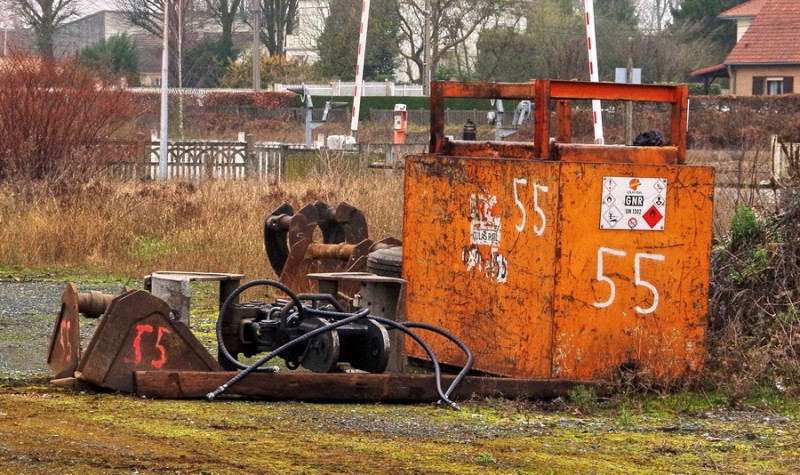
[[27, 312]]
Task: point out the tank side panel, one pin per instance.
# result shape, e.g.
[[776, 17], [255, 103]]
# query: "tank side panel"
[[628, 296], [479, 257]]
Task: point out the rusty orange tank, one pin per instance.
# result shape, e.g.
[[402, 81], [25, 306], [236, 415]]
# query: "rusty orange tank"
[[558, 260]]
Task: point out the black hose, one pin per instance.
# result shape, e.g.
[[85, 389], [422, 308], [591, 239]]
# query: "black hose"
[[223, 350], [272, 354], [345, 318], [437, 373], [467, 366]]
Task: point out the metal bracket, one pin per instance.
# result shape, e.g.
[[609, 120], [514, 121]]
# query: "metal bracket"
[[174, 288], [384, 296]]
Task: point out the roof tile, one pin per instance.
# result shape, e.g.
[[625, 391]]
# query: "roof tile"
[[772, 38], [747, 9]]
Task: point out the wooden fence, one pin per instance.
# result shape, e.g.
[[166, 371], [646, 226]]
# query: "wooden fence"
[[237, 160]]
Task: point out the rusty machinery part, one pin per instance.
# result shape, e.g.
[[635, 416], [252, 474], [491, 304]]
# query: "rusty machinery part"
[[65, 344], [307, 257], [345, 223], [139, 333], [283, 228], [258, 327], [292, 314], [386, 261]]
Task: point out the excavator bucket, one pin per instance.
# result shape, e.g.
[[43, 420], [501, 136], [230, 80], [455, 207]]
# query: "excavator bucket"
[[65, 345], [138, 333]]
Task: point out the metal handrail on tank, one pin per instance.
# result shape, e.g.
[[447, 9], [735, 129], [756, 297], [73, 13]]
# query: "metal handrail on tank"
[[541, 93]]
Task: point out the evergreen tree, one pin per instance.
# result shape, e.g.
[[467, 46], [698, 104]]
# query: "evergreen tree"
[[702, 16], [338, 44], [114, 57]]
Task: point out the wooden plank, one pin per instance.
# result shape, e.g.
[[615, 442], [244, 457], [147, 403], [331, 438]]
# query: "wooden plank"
[[347, 387]]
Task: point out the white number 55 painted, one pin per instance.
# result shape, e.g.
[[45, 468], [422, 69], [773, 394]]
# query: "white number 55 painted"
[[637, 278]]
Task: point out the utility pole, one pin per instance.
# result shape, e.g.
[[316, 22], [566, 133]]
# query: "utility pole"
[[426, 65], [629, 104], [162, 161], [255, 10], [5, 33], [179, 7]]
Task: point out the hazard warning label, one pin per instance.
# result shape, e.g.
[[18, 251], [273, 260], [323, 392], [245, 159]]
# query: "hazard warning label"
[[633, 204]]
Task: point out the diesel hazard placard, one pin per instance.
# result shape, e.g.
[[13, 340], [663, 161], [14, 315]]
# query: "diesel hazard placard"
[[633, 204]]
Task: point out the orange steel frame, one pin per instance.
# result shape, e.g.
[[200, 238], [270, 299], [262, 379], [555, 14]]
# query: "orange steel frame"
[[542, 92]]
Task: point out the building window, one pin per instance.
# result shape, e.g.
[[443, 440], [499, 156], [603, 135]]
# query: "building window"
[[774, 86], [768, 85]]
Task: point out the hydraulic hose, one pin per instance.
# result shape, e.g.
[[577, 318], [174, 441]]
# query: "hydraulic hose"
[[226, 305], [342, 318]]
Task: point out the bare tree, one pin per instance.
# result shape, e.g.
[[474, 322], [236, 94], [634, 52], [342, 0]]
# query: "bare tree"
[[44, 17], [224, 13], [452, 23], [149, 15], [656, 14], [279, 21]]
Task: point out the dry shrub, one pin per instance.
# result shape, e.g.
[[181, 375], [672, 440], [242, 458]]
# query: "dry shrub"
[[754, 318], [131, 229], [53, 119], [733, 121]]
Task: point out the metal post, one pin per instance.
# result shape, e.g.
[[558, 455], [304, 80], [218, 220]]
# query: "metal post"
[[256, 12], [162, 162], [144, 156], [250, 166], [362, 50], [426, 65]]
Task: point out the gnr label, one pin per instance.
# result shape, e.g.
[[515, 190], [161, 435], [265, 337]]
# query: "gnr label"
[[633, 203]]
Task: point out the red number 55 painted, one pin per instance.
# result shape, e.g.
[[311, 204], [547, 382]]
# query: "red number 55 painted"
[[137, 345]]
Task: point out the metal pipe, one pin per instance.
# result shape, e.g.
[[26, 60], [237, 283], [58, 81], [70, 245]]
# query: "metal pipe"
[[93, 304], [342, 251]]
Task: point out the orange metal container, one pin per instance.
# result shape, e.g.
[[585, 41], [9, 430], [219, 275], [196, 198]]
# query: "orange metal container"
[[560, 268]]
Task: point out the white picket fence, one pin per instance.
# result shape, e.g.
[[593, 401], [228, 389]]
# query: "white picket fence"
[[197, 160], [335, 88]]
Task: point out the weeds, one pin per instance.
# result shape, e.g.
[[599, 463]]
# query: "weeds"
[[133, 229], [583, 399], [754, 315]]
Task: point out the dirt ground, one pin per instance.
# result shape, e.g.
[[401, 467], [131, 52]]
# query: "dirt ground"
[[45, 429]]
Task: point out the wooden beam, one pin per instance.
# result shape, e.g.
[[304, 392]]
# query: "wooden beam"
[[346, 387]]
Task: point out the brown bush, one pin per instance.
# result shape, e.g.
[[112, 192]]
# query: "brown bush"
[[134, 228], [754, 311], [262, 100], [732, 121], [54, 118]]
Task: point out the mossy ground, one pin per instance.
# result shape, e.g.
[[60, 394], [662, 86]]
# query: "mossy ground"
[[45, 429]]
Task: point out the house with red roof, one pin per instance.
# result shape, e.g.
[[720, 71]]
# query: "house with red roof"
[[766, 57]]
